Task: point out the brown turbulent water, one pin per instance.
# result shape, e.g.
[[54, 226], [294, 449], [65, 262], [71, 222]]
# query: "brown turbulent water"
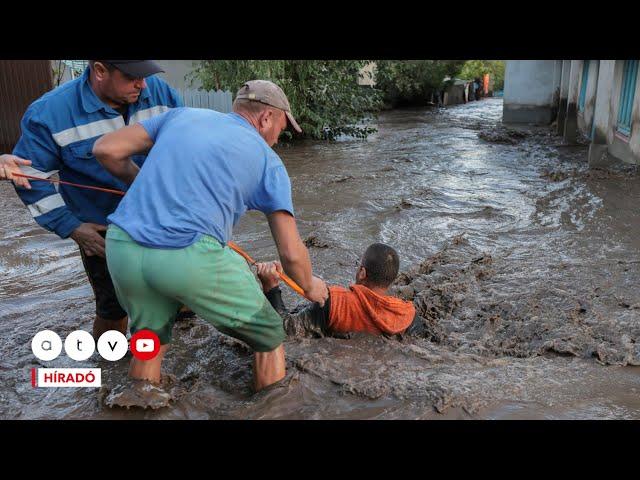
[[522, 263]]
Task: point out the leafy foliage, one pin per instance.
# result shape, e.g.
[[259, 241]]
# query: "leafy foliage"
[[324, 95], [413, 81], [477, 68]]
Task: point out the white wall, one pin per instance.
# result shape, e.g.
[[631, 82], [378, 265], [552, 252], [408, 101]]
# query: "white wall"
[[557, 77], [175, 71], [585, 117], [529, 82], [592, 83]]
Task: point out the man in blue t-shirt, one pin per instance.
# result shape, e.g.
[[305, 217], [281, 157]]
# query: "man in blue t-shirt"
[[167, 241]]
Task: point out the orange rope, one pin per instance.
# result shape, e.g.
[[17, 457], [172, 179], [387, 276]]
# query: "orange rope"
[[232, 245], [252, 262], [108, 190]]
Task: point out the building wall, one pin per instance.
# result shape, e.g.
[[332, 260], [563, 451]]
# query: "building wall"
[[564, 93], [175, 72], [529, 91], [555, 96], [585, 117], [532, 86], [625, 149]]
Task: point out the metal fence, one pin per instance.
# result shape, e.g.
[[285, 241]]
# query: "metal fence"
[[214, 100], [21, 82]]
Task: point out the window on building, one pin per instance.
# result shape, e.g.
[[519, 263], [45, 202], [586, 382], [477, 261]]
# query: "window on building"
[[583, 85], [627, 93]]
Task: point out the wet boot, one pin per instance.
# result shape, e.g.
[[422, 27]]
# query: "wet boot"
[[101, 325]]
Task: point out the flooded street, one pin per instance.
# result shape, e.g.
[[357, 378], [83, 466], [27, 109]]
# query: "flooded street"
[[523, 264]]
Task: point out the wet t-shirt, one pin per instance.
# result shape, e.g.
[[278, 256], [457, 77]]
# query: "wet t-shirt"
[[204, 171]]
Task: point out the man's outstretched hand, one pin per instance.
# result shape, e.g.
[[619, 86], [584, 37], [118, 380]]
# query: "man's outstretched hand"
[[268, 274]]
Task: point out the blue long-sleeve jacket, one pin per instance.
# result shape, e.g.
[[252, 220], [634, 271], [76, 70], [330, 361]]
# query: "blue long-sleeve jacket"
[[58, 133]]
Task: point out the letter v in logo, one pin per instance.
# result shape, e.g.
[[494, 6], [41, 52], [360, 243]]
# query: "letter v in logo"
[[112, 345]]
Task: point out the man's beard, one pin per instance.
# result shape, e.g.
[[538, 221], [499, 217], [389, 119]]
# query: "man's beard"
[[124, 102]]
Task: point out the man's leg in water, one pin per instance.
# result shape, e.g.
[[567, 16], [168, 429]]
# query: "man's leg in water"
[[148, 369], [109, 313], [221, 289], [101, 325], [149, 308], [209, 278], [268, 367]]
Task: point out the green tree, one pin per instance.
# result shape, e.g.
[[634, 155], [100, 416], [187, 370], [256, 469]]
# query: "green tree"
[[324, 94], [413, 81], [477, 68]]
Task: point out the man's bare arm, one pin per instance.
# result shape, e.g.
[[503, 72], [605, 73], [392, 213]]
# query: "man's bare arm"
[[114, 151], [294, 256]]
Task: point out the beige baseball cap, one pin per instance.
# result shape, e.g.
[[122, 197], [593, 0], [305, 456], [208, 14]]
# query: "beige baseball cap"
[[269, 93]]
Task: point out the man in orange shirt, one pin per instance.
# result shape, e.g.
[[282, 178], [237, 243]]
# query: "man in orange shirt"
[[365, 306]]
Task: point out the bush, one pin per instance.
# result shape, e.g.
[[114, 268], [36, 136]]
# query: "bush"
[[477, 68], [324, 95], [412, 82]]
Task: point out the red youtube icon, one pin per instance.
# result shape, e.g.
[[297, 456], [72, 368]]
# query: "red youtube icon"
[[144, 344]]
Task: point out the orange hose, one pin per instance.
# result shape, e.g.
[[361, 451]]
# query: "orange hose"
[[233, 245], [285, 278]]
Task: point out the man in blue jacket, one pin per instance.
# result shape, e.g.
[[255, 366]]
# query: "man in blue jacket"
[[58, 133]]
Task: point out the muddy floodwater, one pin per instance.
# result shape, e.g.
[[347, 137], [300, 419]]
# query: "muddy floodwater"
[[522, 263]]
